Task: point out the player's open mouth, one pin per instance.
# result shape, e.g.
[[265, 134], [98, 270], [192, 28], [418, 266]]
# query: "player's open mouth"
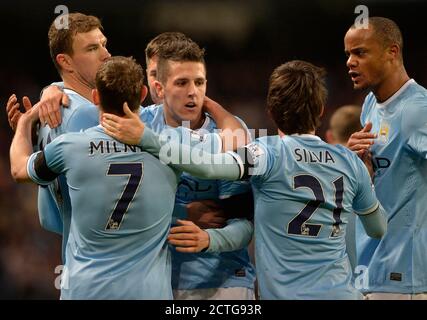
[[354, 75], [190, 105]]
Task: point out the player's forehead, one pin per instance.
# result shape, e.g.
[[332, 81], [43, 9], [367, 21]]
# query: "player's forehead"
[[83, 39], [186, 70], [358, 37]]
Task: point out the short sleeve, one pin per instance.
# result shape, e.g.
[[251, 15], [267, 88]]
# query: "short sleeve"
[[257, 160], [365, 201], [45, 166], [415, 124]]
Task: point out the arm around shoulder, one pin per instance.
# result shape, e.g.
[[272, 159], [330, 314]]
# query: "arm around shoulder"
[[237, 234]]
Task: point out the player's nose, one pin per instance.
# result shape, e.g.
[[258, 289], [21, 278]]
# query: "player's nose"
[[351, 62]]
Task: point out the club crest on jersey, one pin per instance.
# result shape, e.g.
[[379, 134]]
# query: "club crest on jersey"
[[383, 133], [255, 151]]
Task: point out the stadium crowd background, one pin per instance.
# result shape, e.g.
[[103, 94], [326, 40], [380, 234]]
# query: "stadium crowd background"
[[245, 40]]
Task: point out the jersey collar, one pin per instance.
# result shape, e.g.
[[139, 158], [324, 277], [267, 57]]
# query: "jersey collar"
[[396, 94], [71, 91], [306, 135]]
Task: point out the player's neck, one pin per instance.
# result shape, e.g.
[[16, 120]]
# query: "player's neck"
[[197, 124], [282, 134], [391, 84], [83, 89]]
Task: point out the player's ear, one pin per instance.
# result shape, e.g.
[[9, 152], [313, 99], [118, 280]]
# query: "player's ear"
[[95, 97], [64, 61], [394, 50], [159, 89], [144, 92], [329, 137]]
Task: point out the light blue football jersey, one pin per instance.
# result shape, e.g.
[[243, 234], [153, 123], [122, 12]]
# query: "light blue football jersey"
[[122, 201], [204, 270], [305, 191], [398, 262], [53, 200]]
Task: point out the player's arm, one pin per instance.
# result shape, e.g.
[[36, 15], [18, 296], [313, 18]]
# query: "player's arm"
[[366, 204], [51, 101], [195, 161], [374, 223], [21, 147], [128, 129], [25, 165], [233, 134], [414, 121], [49, 215], [204, 213], [188, 237], [214, 214], [248, 161], [227, 166]]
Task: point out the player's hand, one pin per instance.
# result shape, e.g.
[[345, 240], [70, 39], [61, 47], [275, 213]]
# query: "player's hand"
[[13, 112], [206, 214], [187, 237], [31, 112], [128, 129], [50, 106], [367, 160], [209, 104], [361, 141]]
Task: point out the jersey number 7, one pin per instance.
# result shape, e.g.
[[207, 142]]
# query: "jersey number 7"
[[135, 172]]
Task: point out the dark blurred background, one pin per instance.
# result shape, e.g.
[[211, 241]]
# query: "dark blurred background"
[[245, 40]]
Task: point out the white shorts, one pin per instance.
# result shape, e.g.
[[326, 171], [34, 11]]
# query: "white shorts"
[[234, 293], [394, 296]]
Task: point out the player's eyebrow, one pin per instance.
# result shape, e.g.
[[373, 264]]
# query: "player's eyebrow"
[[91, 45], [103, 41], [181, 79], [355, 49]]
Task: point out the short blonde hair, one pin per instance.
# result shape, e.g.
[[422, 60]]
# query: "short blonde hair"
[[344, 122]]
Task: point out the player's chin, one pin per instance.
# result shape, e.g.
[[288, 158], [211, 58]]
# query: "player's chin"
[[359, 85]]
